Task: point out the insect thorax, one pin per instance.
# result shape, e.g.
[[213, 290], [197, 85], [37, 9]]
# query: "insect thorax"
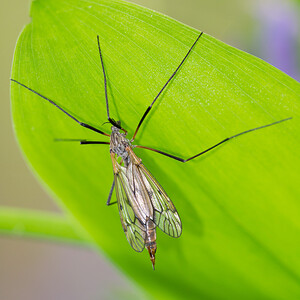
[[118, 144]]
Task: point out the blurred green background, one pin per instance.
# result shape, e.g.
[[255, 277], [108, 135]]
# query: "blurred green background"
[[32, 269]]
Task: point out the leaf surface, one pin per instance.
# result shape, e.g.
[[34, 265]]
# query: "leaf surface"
[[239, 204]]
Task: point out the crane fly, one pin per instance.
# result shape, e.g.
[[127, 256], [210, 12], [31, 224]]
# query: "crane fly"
[[143, 204]]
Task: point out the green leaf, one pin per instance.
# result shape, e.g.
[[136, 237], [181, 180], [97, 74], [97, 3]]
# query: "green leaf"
[[239, 204], [38, 224]]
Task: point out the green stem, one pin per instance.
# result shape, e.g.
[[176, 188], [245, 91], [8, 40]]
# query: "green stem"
[[39, 224]]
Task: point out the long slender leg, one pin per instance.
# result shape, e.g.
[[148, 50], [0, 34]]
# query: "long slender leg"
[[93, 143], [83, 142], [65, 112], [149, 108], [110, 194], [105, 84], [214, 146], [110, 120]]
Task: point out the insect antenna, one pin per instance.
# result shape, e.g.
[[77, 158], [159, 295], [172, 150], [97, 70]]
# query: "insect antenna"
[[60, 108], [165, 85]]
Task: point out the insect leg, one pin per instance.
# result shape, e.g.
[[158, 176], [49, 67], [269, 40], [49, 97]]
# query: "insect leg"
[[149, 108], [65, 112], [105, 82], [110, 194], [212, 147], [161, 152], [110, 120], [82, 142]]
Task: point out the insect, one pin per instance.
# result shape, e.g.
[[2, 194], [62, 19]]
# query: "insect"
[[143, 204]]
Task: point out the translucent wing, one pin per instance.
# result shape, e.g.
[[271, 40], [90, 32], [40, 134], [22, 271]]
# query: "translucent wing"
[[165, 215], [133, 228]]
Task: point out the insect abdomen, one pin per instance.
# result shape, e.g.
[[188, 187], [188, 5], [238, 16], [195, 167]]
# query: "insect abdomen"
[[151, 240]]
